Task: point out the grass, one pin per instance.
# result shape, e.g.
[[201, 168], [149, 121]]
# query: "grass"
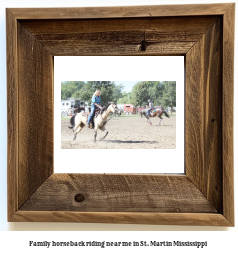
[[137, 115], [122, 115], [65, 117], [174, 114]]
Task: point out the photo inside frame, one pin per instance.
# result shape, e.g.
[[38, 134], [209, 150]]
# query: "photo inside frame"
[[136, 142]]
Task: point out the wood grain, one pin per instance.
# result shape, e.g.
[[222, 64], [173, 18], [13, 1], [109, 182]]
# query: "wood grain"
[[174, 36], [35, 102], [114, 193], [189, 26], [190, 219], [121, 11], [227, 113], [115, 49], [12, 114], [204, 115]]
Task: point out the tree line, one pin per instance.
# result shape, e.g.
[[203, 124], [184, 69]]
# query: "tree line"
[[162, 93]]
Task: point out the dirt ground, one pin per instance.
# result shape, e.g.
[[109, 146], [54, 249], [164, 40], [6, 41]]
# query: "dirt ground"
[[124, 133]]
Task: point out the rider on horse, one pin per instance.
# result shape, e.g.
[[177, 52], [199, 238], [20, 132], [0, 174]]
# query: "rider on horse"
[[150, 107], [96, 100]]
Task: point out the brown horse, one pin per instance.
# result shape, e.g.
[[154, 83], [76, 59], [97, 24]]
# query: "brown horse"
[[154, 113]]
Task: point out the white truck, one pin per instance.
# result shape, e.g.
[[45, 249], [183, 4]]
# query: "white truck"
[[71, 107]]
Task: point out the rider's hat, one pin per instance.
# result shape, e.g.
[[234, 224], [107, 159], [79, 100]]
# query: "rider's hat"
[[149, 100]]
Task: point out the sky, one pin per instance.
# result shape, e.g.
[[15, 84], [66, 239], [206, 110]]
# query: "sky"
[[128, 85]]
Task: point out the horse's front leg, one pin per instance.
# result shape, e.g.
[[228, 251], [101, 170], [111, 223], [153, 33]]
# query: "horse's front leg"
[[95, 134], [106, 132]]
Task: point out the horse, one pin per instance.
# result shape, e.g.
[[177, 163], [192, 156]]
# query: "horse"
[[79, 121], [154, 113]]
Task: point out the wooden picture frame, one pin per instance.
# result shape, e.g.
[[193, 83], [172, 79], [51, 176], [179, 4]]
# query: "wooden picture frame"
[[204, 34]]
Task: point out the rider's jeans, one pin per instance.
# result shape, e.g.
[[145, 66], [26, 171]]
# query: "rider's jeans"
[[92, 113], [148, 112]]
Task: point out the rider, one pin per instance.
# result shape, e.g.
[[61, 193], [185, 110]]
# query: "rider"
[[150, 107], [96, 100]]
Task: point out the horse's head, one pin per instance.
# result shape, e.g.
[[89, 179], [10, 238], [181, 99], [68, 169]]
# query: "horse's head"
[[111, 107], [114, 109]]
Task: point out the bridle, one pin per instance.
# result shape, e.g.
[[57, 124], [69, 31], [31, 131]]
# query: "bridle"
[[114, 106]]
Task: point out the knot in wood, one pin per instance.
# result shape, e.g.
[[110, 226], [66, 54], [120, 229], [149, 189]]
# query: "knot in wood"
[[79, 198], [143, 45]]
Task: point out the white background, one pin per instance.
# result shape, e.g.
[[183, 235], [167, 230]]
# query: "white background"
[[146, 68], [220, 241]]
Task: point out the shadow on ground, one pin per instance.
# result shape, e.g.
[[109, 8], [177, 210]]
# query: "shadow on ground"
[[129, 141]]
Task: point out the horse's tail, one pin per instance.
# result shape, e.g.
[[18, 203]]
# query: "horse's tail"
[[72, 122], [166, 114]]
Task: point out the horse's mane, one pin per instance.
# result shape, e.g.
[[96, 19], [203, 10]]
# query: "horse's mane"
[[105, 107]]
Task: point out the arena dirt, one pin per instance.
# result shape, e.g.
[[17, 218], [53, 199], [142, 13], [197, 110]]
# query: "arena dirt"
[[124, 133]]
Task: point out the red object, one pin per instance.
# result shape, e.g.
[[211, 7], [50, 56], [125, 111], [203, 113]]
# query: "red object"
[[141, 108], [129, 108]]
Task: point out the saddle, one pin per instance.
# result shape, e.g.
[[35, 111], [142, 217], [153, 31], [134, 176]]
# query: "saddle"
[[87, 114]]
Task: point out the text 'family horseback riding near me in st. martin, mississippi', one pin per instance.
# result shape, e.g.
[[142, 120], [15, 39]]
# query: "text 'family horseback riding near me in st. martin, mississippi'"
[[103, 244]]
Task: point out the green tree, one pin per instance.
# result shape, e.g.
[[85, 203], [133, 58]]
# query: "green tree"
[[145, 90], [84, 90], [106, 87], [169, 94], [69, 88], [140, 94], [125, 99], [117, 93]]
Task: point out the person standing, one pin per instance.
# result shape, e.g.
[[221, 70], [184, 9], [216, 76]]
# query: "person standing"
[[95, 104]]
